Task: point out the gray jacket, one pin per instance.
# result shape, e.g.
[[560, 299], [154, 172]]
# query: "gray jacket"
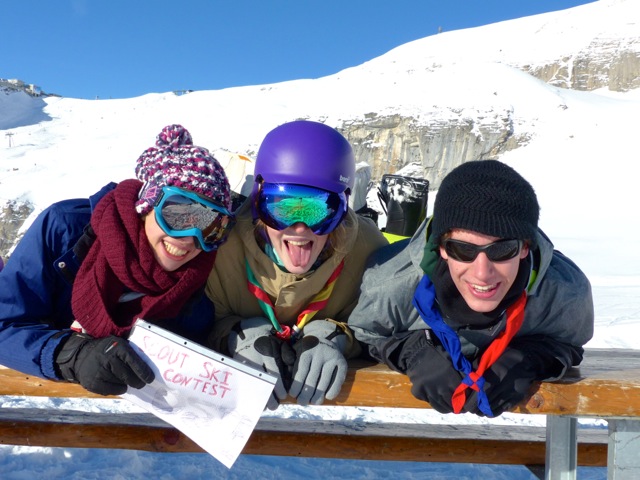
[[559, 303]]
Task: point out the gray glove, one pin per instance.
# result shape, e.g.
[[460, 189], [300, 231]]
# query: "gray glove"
[[320, 367], [251, 342]]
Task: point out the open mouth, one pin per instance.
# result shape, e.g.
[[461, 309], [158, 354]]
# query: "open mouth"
[[484, 288], [174, 251], [299, 251]]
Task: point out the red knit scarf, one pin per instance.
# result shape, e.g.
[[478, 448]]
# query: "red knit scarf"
[[121, 260]]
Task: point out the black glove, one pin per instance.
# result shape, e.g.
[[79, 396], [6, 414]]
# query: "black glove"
[[106, 366], [280, 353], [509, 380], [428, 366], [252, 343]]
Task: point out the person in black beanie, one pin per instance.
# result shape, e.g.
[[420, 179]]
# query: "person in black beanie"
[[478, 306]]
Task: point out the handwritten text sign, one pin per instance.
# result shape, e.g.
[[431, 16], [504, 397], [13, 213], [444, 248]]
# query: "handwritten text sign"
[[212, 399]]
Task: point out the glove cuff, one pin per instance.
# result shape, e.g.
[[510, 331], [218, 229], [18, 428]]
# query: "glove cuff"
[[67, 354], [413, 351], [330, 331], [246, 332]]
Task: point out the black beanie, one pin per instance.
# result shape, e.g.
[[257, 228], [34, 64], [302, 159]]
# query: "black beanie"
[[489, 197]]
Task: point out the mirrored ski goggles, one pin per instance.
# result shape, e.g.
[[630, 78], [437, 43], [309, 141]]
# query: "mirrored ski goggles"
[[282, 205], [499, 251], [181, 213]]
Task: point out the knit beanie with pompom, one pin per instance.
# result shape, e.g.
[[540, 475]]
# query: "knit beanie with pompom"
[[175, 161]]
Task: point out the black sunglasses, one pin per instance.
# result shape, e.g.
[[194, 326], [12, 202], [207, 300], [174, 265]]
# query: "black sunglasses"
[[499, 251]]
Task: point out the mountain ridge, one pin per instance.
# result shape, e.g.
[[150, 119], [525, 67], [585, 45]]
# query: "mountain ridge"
[[417, 105]]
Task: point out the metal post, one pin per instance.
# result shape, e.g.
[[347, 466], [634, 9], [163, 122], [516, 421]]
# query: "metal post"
[[561, 458], [623, 458]]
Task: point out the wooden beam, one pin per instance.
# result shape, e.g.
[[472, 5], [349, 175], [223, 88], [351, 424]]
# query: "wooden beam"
[[607, 384], [493, 444]]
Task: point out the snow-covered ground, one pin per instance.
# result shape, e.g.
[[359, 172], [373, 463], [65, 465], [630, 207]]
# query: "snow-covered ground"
[[580, 160]]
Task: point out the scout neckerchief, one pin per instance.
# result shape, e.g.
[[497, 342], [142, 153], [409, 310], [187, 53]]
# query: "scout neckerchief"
[[318, 302], [424, 302]]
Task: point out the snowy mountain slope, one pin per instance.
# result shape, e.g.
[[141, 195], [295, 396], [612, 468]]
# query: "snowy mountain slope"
[[579, 155], [466, 74]]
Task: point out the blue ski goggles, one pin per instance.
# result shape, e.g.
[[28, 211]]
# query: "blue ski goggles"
[[181, 213], [281, 205]]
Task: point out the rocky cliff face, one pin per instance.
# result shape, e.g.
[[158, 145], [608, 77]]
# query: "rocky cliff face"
[[12, 216], [606, 63], [442, 140], [389, 143]]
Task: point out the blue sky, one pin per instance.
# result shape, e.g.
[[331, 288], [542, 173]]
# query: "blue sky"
[[124, 48]]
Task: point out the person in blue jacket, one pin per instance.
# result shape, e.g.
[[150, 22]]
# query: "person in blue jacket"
[[86, 269]]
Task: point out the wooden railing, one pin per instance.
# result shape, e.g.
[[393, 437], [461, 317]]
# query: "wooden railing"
[[606, 386]]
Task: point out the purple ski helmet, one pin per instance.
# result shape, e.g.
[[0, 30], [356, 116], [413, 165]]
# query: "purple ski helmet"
[[307, 153]]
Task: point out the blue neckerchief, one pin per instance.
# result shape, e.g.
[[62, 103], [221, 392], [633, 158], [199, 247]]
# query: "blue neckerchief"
[[424, 302]]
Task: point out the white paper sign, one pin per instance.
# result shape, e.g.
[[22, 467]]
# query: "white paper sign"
[[212, 399]]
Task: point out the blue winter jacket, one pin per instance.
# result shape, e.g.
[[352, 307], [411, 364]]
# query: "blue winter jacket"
[[35, 291]]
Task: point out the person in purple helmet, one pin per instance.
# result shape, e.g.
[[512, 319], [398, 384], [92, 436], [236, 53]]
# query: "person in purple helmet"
[[288, 278]]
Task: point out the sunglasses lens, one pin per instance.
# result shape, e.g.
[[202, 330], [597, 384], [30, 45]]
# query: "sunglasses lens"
[[503, 250], [281, 205], [461, 251], [499, 251]]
